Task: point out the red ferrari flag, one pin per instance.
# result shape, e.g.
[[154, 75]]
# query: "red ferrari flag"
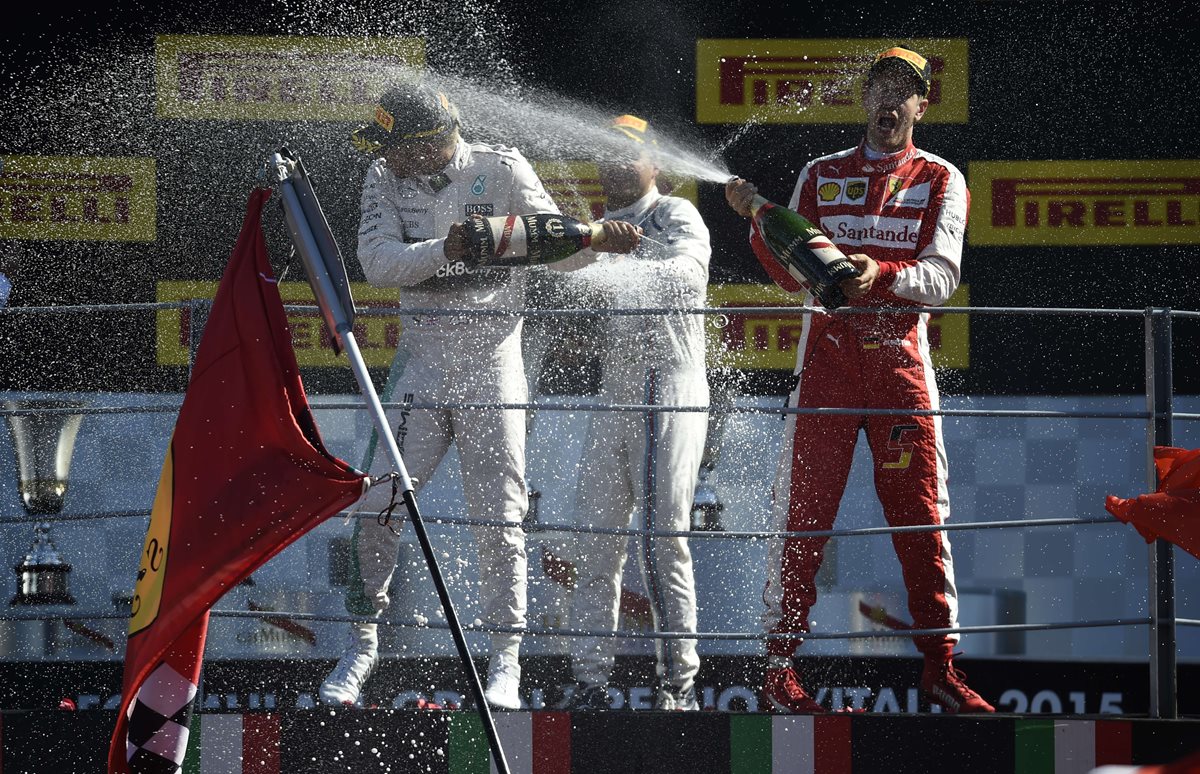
[[245, 475], [1173, 512]]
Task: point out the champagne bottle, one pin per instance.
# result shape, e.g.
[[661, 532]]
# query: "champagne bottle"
[[803, 250], [524, 240]]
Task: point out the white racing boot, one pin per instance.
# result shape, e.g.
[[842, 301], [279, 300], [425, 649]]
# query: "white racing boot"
[[504, 678], [676, 699], [345, 682]]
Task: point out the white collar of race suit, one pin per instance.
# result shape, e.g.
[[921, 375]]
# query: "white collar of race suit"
[[636, 211], [449, 173], [875, 155], [458, 161], [889, 162]]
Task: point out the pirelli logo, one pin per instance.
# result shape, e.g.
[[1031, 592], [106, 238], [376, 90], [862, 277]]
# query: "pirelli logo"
[[377, 336], [1059, 203], [575, 187], [768, 341], [64, 198], [275, 78], [814, 81]]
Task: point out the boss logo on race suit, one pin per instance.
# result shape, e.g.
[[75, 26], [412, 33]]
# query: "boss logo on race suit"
[[878, 231], [486, 210]]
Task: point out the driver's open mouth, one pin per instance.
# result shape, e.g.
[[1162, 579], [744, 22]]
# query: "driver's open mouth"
[[885, 123]]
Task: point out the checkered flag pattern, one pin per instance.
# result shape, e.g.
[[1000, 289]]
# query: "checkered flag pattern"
[[158, 722]]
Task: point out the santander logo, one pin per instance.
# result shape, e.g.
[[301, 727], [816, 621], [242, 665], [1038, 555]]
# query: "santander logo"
[[882, 232]]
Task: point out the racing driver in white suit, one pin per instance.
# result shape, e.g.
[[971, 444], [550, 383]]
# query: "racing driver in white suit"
[[644, 461], [414, 202]]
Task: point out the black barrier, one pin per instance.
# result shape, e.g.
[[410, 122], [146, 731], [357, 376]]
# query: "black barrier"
[[881, 684], [1055, 718]]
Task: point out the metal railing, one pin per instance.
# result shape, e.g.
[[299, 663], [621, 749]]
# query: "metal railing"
[[1159, 415]]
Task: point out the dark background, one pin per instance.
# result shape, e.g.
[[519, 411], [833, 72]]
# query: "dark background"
[[1047, 81]]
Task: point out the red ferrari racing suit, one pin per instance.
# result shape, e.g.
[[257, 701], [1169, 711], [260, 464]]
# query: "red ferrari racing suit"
[[908, 211]]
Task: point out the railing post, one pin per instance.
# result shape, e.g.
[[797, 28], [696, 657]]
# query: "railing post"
[[1159, 389]]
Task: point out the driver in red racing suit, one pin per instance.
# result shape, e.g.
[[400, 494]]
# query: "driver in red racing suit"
[[899, 214]]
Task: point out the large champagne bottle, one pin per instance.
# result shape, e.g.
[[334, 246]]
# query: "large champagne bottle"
[[803, 250], [523, 240]]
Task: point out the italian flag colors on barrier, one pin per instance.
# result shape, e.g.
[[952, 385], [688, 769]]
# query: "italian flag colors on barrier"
[[318, 740]]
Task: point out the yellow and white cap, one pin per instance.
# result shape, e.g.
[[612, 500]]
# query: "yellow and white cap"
[[908, 60], [634, 128]]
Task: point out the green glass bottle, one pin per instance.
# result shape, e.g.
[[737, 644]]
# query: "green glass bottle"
[[525, 240], [803, 250]]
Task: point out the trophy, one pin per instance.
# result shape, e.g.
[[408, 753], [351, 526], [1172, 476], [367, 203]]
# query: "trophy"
[[43, 435], [706, 502]]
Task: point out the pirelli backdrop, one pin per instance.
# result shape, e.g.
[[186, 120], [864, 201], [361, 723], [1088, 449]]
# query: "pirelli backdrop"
[[126, 159]]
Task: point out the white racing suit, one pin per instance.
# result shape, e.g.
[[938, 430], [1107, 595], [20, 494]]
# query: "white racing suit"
[[646, 461], [444, 358]]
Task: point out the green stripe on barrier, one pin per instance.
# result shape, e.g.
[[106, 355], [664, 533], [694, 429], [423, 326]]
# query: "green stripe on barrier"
[[469, 752], [191, 756], [1033, 749], [749, 744]]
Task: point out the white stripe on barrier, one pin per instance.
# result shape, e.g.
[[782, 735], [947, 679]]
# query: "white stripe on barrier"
[[1074, 747], [516, 737], [792, 748], [221, 744]]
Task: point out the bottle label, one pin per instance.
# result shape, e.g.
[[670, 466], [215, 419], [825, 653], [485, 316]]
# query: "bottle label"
[[505, 238]]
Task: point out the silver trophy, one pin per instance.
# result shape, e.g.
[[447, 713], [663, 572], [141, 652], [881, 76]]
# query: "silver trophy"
[[43, 436], [706, 502]]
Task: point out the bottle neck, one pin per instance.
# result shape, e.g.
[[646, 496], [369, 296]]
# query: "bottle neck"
[[596, 236], [757, 204]]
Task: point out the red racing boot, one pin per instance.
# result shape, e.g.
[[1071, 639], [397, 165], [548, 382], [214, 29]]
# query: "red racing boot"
[[945, 685], [783, 694]]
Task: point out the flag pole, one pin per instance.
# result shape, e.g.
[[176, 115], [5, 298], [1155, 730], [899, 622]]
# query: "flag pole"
[[327, 275]]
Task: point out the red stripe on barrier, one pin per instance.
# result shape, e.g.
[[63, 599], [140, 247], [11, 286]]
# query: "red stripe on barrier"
[[551, 743], [831, 744], [1114, 742], [260, 743]]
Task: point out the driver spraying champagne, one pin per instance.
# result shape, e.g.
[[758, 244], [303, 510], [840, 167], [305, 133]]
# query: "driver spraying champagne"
[[425, 183], [898, 214]]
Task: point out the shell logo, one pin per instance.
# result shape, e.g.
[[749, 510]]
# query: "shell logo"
[[829, 191]]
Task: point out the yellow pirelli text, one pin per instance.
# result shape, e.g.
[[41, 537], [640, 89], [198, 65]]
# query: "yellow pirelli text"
[[283, 78], [178, 330], [1063, 203], [748, 339], [814, 80], [75, 198], [575, 187]]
